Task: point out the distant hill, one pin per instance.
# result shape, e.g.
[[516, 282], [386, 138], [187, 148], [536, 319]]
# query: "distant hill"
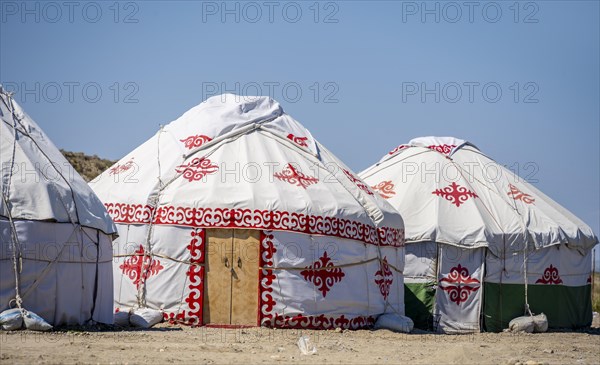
[[87, 166]]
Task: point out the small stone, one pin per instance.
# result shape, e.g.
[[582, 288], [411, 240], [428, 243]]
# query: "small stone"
[[161, 350], [338, 330], [280, 349], [548, 351]]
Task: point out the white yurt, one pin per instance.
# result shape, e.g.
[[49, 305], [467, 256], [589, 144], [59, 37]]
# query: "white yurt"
[[56, 236], [483, 246], [234, 215]]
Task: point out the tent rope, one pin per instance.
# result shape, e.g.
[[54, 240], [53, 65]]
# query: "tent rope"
[[16, 247], [527, 309], [325, 268], [523, 226], [16, 244]]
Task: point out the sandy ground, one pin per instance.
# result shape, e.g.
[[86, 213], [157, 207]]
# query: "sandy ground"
[[183, 345]]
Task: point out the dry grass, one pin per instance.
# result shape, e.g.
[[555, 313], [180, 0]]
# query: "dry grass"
[[87, 166], [596, 292]]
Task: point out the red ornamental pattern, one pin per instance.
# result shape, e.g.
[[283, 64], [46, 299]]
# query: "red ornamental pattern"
[[551, 276], [294, 177], [121, 168], [300, 141], [266, 276], [455, 194], [139, 267], [384, 278], [196, 141], [517, 194], [197, 169], [195, 277], [256, 219], [442, 148], [323, 274], [361, 185], [323, 322], [385, 189], [399, 148], [299, 321], [459, 284]]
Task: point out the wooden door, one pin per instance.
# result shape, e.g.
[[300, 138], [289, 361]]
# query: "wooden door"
[[244, 292], [217, 277], [231, 280]]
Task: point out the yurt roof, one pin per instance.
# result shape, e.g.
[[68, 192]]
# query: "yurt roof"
[[38, 183], [242, 162], [448, 191]]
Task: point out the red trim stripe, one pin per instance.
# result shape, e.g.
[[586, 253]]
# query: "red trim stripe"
[[255, 219]]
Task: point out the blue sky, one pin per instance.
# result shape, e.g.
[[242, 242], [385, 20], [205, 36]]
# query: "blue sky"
[[102, 77]]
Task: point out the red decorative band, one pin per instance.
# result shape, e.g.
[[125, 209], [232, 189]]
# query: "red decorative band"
[[319, 322], [255, 219]]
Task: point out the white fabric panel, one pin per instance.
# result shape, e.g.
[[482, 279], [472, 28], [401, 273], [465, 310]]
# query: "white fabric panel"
[[168, 289], [569, 267], [467, 222], [164, 289], [173, 284], [226, 190], [450, 192], [242, 160], [421, 262], [129, 240], [36, 189], [356, 294], [395, 257], [460, 289], [59, 271]]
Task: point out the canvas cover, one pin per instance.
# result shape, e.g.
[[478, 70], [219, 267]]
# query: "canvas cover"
[[38, 181], [469, 200], [455, 198], [53, 226], [65, 275], [239, 163]]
